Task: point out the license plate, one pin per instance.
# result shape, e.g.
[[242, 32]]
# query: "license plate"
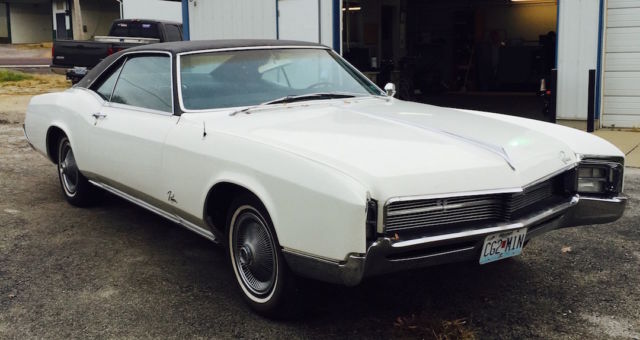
[[502, 245]]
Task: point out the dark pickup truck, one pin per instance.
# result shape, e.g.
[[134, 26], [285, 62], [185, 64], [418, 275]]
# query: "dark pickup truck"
[[75, 57]]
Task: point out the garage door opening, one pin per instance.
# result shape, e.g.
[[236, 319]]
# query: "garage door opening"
[[488, 55]]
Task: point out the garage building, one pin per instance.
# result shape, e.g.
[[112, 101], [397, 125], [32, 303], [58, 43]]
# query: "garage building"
[[481, 54]]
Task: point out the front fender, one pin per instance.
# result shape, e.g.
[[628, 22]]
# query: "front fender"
[[314, 209]]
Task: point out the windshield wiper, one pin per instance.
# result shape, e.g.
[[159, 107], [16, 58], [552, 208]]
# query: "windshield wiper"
[[297, 98]]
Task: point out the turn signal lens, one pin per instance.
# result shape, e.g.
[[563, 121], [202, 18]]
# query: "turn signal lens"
[[591, 185], [599, 177]]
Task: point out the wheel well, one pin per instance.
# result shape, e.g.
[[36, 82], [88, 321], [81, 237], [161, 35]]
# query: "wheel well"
[[219, 200], [54, 134]]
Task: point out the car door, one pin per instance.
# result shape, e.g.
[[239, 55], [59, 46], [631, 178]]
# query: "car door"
[[130, 129]]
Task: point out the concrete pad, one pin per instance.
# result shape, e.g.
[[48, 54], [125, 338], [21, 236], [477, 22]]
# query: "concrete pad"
[[633, 158], [627, 141], [624, 140]]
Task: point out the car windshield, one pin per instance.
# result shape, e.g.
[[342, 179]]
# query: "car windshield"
[[250, 77]]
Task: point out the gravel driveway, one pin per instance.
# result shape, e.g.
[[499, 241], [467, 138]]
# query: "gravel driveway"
[[117, 270]]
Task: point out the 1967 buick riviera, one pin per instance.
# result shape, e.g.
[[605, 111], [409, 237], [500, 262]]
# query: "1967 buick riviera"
[[295, 161]]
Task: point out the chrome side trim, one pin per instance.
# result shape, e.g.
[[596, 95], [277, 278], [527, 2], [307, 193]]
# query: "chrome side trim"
[[310, 256], [171, 217]]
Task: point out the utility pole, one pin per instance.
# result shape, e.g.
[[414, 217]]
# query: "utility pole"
[[76, 13]]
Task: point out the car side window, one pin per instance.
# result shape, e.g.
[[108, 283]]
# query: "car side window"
[[145, 82], [106, 88]]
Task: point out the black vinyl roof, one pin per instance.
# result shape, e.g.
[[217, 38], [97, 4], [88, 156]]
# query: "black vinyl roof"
[[176, 47], [196, 45]]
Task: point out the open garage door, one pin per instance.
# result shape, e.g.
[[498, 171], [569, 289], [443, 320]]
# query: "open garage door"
[[622, 65], [487, 55]]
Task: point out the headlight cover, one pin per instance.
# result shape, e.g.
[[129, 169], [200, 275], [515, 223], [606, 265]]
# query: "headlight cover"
[[599, 177]]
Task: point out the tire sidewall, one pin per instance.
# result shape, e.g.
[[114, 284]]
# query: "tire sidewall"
[[64, 141], [273, 301]]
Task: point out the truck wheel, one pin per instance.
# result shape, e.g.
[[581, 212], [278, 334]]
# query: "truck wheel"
[[258, 265], [76, 188]]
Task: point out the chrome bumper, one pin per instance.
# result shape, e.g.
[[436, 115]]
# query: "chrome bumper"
[[388, 255]]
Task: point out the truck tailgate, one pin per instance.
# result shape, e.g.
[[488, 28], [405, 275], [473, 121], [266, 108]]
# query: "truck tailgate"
[[70, 53]]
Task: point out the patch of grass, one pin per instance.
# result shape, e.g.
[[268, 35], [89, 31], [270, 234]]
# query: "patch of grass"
[[8, 75], [424, 327]]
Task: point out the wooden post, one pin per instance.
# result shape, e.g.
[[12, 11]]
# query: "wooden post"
[[76, 14]]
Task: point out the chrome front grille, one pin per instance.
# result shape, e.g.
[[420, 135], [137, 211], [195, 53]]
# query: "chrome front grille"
[[408, 215]]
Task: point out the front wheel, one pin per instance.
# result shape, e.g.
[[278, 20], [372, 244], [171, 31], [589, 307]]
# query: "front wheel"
[[258, 265], [76, 188]]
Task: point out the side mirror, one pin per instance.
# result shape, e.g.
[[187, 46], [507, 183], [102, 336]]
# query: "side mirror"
[[390, 88]]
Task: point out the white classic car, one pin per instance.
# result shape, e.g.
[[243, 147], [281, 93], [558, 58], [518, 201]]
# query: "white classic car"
[[295, 161]]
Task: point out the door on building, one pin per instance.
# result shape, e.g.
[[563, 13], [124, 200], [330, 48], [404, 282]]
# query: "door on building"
[[621, 96], [485, 55], [61, 26], [4, 24]]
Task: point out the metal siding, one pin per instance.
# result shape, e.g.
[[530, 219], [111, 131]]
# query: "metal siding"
[[622, 3], [623, 62], [623, 17], [623, 39], [238, 19], [621, 96], [299, 20], [577, 54]]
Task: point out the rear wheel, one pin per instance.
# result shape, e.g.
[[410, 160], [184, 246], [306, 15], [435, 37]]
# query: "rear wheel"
[[76, 188], [260, 270]]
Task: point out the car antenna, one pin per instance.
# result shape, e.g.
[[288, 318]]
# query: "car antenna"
[[204, 130]]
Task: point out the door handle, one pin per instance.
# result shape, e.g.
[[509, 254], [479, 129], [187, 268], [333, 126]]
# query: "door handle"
[[99, 115]]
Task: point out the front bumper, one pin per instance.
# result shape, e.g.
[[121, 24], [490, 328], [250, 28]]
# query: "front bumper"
[[388, 255]]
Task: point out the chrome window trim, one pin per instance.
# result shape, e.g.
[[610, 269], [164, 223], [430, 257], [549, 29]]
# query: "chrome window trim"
[[179, 79], [224, 49], [382, 92]]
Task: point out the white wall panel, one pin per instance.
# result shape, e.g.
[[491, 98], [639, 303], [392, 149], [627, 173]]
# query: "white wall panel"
[[299, 20], [577, 54], [307, 20], [152, 9], [237, 19]]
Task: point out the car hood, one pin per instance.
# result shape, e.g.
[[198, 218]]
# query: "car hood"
[[398, 148]]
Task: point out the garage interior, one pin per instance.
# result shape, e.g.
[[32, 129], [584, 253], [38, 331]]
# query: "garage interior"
[[487, 55]]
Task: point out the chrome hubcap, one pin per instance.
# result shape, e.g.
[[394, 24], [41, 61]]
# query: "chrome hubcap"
[[254, 253], [68, 170]]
